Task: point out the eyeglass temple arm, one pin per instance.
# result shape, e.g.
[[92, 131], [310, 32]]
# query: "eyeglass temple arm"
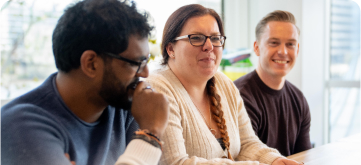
[[181, 37]]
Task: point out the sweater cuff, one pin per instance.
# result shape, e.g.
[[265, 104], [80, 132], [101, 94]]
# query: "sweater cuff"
[[140, 152], [270, 157]]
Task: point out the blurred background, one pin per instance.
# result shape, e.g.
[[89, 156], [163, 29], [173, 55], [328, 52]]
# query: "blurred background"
[[327, 69]]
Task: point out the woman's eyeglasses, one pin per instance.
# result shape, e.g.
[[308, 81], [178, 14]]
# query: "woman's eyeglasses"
[[141, 65], [200, 39]]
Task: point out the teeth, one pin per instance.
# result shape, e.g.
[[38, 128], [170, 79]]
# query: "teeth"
[[281, 62]]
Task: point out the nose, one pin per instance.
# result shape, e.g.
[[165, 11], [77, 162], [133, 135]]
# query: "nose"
[[208, 46], [282, 50], [144, 73]]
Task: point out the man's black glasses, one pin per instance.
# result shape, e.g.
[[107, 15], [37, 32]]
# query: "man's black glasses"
[[141, 65]]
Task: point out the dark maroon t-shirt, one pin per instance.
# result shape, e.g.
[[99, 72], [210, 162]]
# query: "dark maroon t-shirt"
[[280, 118]]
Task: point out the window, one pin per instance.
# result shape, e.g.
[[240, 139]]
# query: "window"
[[343, 85], [26, 32], [26, 47]]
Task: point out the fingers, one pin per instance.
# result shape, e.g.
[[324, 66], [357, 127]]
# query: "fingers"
[[292, 162], [148, 87], [150, 109], [143, 87], [285, 161]]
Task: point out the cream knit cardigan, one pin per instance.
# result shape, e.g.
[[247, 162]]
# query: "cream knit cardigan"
[[187, 139]]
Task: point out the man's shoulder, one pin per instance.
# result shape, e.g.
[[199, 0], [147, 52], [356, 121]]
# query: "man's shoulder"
[[35, 105], [24, 113], [43, 93], [244, 80], [25, 120], [293, 92], [247, 85], [292, 89], [31, 99]]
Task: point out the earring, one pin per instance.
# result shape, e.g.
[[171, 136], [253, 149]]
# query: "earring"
[[172, 55]]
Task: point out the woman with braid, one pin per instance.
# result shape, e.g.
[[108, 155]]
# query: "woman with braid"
[[208, 123]]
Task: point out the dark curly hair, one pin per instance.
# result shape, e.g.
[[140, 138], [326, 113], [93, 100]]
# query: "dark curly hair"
[[98, 25]]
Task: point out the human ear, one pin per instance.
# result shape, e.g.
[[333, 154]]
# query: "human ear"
[[170, 50], [298, 48], [256, 48], [90, 63]]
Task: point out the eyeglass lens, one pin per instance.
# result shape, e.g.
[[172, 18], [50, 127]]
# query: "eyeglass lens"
[[199, 40], [142, 65]]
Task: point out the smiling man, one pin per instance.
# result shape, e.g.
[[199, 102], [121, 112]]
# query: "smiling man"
[[87, 113], [279, 112]]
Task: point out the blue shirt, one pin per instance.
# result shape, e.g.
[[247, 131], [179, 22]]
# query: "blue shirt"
[[38, 129]]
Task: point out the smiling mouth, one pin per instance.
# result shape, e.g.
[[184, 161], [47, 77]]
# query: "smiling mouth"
[[280, 61], [207, 59]]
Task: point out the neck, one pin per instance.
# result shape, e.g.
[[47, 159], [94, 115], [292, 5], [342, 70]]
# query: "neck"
[[194, 86], [79, 96], [274, 82]]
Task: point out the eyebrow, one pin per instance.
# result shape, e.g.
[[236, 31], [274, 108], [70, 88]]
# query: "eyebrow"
[[293, 40], [215, 33]]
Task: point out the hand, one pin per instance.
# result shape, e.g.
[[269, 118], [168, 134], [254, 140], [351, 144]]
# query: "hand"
[[67, 156], [150, 109], [285, 161]]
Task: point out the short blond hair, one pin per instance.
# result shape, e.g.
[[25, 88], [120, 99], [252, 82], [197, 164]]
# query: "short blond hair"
[[277, 15]]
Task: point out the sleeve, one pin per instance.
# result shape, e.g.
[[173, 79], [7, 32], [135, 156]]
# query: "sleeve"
[[139, 152], [251, 147], [174, 150], [30, 136], [303, 141]]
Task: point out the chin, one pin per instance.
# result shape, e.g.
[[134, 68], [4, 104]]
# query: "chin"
[[208, 73], [280, 73]]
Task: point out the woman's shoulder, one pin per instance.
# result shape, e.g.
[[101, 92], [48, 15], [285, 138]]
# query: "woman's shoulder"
[[223, 80], [160, 75], [226, 86], [163, 79]]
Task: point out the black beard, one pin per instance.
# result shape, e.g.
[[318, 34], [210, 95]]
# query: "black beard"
[[115, 93]]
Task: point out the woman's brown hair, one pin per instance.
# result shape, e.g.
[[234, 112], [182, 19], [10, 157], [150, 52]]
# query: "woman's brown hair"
[[217, 113], [176, 21]]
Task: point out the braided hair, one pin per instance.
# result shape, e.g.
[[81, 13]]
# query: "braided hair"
[[217, 113]]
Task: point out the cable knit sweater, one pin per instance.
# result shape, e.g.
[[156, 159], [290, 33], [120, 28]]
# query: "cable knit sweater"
[[187, 139]]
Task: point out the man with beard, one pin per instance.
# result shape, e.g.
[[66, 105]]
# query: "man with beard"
[[83, 114]]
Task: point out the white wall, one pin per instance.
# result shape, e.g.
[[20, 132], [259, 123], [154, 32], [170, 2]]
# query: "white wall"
[[236, 24], [314, 65]]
